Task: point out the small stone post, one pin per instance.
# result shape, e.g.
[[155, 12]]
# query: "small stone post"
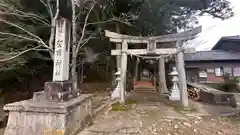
[[175, 92]]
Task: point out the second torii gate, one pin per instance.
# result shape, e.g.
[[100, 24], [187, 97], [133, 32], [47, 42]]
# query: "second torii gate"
[[152, 49]]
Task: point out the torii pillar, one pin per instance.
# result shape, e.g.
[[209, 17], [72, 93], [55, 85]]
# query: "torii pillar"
[[181, 75]]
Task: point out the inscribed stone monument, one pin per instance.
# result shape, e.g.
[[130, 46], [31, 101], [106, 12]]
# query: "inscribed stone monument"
[[62, 47], [58, 110]]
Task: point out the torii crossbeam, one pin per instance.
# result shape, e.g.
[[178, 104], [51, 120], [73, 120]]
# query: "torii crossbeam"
[[186, 35]]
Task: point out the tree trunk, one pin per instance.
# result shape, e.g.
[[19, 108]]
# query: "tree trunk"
[[162, 76], [74, 45], [53, 28]]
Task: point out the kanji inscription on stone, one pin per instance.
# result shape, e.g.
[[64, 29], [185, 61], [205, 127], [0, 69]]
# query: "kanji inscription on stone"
[[58, 63], [61, 54], [58, 52], [59, 43], [57, 73]]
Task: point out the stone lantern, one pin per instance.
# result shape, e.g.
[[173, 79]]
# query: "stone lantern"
[[175, 92], [116, 92]]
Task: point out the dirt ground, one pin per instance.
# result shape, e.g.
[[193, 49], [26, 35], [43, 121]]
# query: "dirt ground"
[[153, 116], [148, 113]]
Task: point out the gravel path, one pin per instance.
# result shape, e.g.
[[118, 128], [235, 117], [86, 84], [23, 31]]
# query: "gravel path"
[[157, 118]]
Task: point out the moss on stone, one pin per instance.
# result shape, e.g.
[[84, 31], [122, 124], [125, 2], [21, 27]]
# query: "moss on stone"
[[123, 107], [119, 107]]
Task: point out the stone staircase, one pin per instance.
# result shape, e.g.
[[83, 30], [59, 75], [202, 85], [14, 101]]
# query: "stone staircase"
[[142, 86], [144, 91]]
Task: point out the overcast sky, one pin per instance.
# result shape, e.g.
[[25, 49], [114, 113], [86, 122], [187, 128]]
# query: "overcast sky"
[[214, 29]]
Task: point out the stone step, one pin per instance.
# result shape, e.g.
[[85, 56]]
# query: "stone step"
[[144, 89], [144, 95]]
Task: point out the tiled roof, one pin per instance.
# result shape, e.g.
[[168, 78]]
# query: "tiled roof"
[[237, 37], [226, 39], [212, 55]]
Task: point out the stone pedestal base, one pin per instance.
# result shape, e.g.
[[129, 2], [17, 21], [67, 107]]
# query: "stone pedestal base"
[[115, 94], [174, 95], [56, 91], [49, 118]]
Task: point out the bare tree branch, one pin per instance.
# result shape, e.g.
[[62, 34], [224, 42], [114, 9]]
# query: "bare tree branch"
[[46, 50], [82, 44], [84, 27], [19, 54], [100, 22], [212, 14], [50, 9], [3, 5], [53, 27], [47, 5], [110, 20], [17, 11], [30, 15], [86, 41], [22, 16], [31, 34], [1, 39], [19, 36]]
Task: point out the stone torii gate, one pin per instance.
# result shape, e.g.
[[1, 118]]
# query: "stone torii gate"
[[151, 42]]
